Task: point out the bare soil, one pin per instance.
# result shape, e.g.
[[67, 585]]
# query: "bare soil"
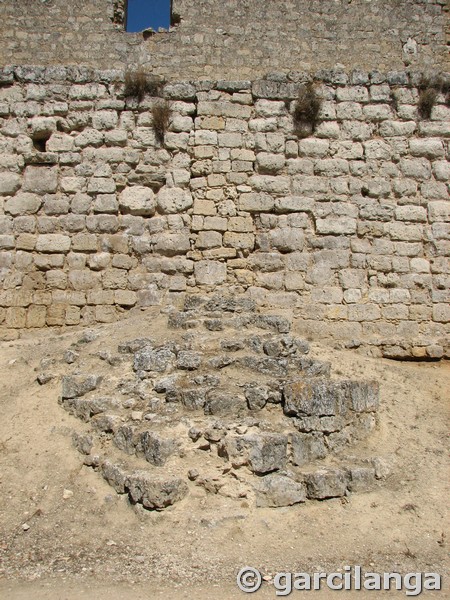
[[95, 544]]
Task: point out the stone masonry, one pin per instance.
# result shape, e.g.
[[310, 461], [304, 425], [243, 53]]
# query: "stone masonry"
[[347, 228], [237, 39]]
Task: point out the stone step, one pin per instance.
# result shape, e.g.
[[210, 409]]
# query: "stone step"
[[152, 491]]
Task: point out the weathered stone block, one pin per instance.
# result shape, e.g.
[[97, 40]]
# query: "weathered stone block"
[[74, 386], [441, 313], [307, 447], [125, 298], [266, 451], [150, 359], [42, 127], [208, 272], [253, 202], [209, 239], [352, 94], [441, 170], [224, 109], [270, 164], [7, 242], [156, 492], [416, 168], [377, 112], [326, 483], [336, 226], [171, 244], [105, 119], [427, 147], [100, 297], [397, 128], [101, 185], [83, 279], [363, 396], [205, 137], [364, 312], [407, 233], [157, 449], [23, 204], [89, 137], [56, 205], [9, 183], [362, 479], [278, 490], [36, 316], [439, 211], [230, 140], [173, 200], [269, 108], [320, 397], [137, 200], [60, 142], [40, 180], [239, 240], [115, 476], [215, 223], [256, 396], [188, 360], [15, 317], [272, 185], [348, 111], [84, 242], [287, 240], [221, 403], [53, 242], [415, 214]]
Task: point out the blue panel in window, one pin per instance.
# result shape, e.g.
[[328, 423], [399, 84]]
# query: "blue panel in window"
[[142, 14]]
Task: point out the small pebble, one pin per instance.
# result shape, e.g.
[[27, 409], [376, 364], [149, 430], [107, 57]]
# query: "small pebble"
[[193, 474], [129, 403], [44, 378], [67, 494], [70, 356]]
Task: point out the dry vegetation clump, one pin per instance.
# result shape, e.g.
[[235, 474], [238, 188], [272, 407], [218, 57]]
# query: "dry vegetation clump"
[[306, 111], [139, 83], [429, 90], [161, 116]]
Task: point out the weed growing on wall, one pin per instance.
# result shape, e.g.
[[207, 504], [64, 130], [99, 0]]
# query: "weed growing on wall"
[[306, 111], [139, 84], [429, 90], [161, 116]]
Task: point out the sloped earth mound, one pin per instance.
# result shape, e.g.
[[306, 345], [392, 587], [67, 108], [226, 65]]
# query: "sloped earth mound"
[[63, 526], [231, 384]]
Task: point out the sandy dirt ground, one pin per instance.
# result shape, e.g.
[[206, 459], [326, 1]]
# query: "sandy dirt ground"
[[94, 544]]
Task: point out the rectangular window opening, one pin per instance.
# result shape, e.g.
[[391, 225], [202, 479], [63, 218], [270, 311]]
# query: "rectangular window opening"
[[148, 14]]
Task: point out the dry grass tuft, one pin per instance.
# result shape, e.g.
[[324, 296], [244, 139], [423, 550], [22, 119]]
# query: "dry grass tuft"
[[427, 100], [161, 116], [139, 83], [306, 111], [429, 90]]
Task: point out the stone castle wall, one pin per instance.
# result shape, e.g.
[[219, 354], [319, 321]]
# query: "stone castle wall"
[[237, 39], [348, 228]]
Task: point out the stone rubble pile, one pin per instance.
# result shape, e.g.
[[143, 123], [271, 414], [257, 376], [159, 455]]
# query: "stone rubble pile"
[[232, 385]]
